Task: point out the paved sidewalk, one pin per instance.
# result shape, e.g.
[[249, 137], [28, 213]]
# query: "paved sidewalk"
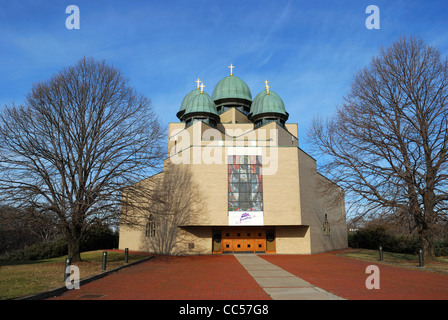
[[280, 284]]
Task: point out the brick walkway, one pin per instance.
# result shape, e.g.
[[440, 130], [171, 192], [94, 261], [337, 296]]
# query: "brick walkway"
[[224, 278], [175, 278], [346, 277]]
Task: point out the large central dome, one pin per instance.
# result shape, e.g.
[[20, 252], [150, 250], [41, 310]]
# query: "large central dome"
[[232, 87]]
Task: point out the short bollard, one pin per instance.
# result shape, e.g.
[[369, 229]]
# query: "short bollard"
[[420, 257], [381, 253], [104, 261], [68, 262], [126, 255]]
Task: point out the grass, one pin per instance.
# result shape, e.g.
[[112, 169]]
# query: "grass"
[[440, 264], [33, 277]]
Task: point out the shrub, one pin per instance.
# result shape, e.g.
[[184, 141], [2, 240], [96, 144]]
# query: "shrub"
[[373, 237], [441, 248], [98, 237], [37, 251]]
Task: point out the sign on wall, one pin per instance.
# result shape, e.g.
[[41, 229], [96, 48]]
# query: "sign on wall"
[[245, 218]]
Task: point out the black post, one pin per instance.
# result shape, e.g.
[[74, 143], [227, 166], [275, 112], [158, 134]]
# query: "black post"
[[381, 253], [420, 257], [126, 254], [104, 260], [68, 262]]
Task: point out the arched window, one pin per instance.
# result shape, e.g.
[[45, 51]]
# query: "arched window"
[[150, 227]]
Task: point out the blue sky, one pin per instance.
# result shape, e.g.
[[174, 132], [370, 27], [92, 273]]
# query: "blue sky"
[[308, 50]]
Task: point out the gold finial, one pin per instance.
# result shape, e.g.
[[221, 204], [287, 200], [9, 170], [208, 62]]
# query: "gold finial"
[[231, 69], [267, 87], [202, 87], [198, 82]]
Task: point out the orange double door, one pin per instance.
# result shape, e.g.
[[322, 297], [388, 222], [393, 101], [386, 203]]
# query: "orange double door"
[[242, 239]]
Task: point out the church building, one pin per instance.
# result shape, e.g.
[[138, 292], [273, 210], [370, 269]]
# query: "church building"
[[255, 190]]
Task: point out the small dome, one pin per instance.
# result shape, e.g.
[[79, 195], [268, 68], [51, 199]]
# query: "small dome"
[[268, 104], [186, 101], [232, 87], [200, 104], [255, 102]]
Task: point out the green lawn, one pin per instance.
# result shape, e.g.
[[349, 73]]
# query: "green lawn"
[[29, 278], [408, 260]]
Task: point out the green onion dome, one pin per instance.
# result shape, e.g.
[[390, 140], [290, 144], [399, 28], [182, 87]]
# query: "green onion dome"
[[232, 87], [186, 101], [268, 104], [200, 105]]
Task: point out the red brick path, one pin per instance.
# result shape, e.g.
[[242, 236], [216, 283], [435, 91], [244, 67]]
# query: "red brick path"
[[175, 278], [346, 277], [223, 278]]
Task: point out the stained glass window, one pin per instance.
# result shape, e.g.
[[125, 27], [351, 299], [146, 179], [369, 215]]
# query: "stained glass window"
[[245, 183]]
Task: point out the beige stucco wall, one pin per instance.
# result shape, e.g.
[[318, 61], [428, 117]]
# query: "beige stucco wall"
[[316, 203], [131, 238], [281, 197], [214, 193], [292, 240], [200, 237]]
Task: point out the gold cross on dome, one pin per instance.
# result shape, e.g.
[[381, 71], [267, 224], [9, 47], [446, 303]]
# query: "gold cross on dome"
[[202, 87], [231, 69], [198, 82], [267, 87]]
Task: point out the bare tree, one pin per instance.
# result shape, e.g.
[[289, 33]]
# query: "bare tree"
[[77, 141], [40, 224], [388, 143], [162, 205]]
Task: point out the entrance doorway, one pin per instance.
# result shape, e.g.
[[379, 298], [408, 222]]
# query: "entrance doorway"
[[244, 240]]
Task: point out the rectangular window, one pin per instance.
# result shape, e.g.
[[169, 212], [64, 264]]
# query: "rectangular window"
[[326, 226], [150, 228], [245, 183]]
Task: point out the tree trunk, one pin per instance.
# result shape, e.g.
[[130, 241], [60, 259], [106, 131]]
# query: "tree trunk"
[[428, 236], [426, 243], [74, 246], [428, 249]]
